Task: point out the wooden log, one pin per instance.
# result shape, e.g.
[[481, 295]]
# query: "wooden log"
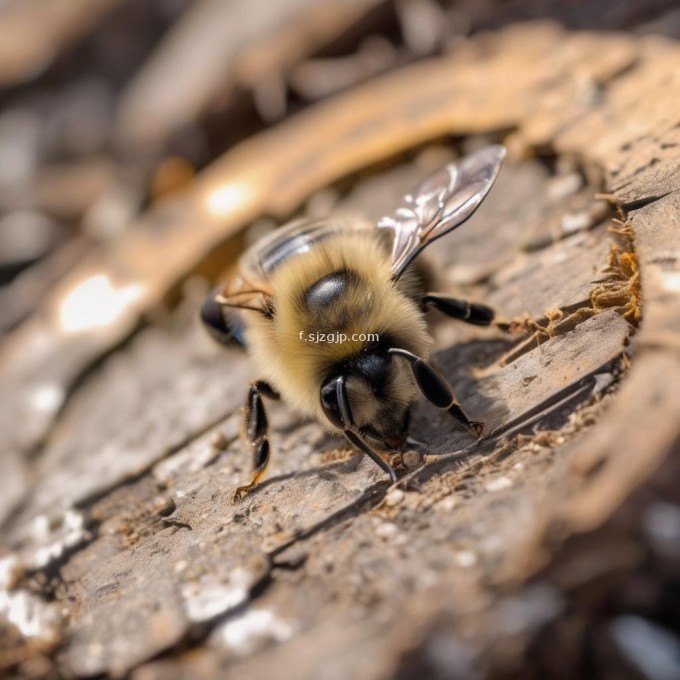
[[130, 503]]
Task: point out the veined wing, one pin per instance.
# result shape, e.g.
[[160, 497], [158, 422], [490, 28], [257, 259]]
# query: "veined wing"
[[251, 288], [440, 204]]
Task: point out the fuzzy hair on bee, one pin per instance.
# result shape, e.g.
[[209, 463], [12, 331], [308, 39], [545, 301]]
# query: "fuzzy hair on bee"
[[342, 286], [347, 278]]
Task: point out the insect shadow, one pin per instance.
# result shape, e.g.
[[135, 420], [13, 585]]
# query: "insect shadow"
[[439, 434]]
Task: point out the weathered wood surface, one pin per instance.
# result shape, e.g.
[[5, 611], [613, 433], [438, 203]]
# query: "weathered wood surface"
[[125, 520]]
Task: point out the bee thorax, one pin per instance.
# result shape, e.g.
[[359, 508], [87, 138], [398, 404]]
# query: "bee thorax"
[[330, 289]]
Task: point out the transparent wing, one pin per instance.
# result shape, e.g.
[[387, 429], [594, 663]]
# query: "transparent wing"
[[250, 288], [441, 203]]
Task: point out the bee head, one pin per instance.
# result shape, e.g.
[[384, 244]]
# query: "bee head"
[[371, 396]]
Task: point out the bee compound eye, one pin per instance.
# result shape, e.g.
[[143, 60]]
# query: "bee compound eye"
[[330, 403]]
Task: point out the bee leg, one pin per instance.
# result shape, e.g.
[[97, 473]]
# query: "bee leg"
[[255, 429], [222, 323], [436, 390], [470, 312]]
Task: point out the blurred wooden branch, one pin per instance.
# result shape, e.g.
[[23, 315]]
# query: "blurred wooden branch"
[[34, 32], [219, 46]]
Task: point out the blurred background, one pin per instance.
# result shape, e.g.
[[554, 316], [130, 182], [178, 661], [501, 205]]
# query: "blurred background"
[[106, 107], [143, 145]]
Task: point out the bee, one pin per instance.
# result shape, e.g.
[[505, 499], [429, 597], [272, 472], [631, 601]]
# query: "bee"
[[332, 315]]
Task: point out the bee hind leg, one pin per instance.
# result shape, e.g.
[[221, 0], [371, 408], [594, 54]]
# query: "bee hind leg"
[[470, 312], [437, 391], [256, 432]]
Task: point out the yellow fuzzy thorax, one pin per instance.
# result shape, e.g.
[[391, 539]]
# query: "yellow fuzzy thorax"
[[372, 304]]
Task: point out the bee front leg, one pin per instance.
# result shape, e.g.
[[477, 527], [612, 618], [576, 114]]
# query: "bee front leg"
[[436, 390], [470, 312], [255, 430]]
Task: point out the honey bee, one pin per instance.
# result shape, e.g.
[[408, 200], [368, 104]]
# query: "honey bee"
[[332, 315]]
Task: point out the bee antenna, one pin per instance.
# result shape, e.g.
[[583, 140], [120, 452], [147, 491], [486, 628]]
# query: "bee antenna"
[[343, 402], [342, 418], [430, 383], [362, 446], [435, 389], [352, 435]]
